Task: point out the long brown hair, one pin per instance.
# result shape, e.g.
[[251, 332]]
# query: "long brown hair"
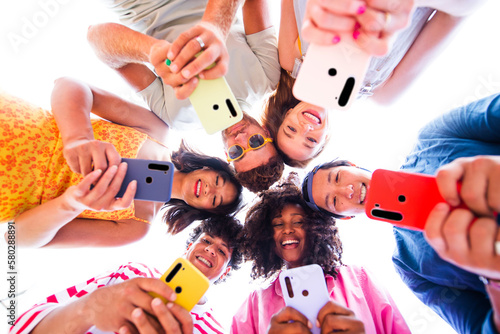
[[275, 111]]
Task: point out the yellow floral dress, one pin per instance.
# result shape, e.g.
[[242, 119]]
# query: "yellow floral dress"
[[32, 166]]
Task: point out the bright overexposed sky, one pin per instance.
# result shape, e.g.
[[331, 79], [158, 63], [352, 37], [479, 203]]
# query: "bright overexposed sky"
[[41, 40]]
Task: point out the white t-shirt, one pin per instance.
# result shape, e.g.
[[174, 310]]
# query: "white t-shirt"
[[253, 69]]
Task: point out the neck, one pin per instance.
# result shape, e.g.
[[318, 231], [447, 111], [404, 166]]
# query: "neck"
[[177, 185]]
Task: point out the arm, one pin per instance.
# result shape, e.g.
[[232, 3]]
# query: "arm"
[[288, 49], [256, 16], [469, 238], [431, 41], [105, 302], [126, 51], [72, 103], [38, 227], [213, 30]]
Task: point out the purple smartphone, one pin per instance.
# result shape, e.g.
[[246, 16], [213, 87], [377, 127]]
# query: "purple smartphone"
[[154, 179]]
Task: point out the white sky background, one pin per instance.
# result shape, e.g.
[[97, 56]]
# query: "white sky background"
[[368, 135]]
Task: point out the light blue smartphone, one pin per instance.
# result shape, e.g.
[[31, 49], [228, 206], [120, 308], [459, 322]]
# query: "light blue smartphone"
[[154, 179]]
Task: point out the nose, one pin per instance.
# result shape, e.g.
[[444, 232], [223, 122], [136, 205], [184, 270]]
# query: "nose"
[[347, 191], [306, 127], [210, 249], [241, 138], [288, 229], [209, 189]]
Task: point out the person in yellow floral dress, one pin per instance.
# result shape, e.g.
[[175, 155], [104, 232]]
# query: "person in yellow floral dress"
[[50, 159]]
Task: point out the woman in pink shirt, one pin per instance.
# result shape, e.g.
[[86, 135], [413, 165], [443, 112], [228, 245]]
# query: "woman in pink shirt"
[[281, 231]]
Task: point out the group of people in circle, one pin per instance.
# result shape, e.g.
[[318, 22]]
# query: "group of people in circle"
[[60, 170]]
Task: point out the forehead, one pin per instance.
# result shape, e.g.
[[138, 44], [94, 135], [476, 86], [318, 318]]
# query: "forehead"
[[290, 209], [215, 239]]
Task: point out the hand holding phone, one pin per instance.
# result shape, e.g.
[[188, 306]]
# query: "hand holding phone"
[[187, 281], [401, 198], [154, 179], [331, 75], [215, 104], [304, 288]]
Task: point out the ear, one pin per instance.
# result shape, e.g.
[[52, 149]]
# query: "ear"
[[224, 274]]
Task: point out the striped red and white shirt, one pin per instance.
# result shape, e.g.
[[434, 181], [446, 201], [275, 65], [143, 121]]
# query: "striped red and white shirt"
[[203, 320]]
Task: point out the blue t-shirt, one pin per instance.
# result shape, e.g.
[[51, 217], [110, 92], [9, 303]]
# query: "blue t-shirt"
[[456, 295]]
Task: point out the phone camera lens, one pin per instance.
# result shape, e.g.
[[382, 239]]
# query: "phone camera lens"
[[305, 293], [332, 72], [216, 107], [178, 290], [149, 179], [401, 198]]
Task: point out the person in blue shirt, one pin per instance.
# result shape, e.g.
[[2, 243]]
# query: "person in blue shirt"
[[454, 265]]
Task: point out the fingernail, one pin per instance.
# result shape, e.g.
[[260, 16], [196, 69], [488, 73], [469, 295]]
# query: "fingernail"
[[157, 302], [137, 312], [356, 34], [336, 39], [357, 26], [361, 9], [168, 62], [174, 68], [201, 75], [442, 207], [185, 74], [309, 324], [170, 305], [317, 324], [170, 55], [133, 184]]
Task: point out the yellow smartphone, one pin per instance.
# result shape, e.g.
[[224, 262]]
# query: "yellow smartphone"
[[187, 281], [215, 104]]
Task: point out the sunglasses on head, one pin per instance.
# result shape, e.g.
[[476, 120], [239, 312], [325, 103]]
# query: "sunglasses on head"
[[255, 142]]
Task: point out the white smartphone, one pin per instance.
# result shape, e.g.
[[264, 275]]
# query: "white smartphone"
[[331, 75], [304, 288]]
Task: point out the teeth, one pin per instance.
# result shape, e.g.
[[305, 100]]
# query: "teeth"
[[289, 242], [312, 117], [204, 261], [198, 189], [363, 193]]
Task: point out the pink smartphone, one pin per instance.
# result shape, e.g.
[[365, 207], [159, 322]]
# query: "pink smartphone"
[[304, 288], [401, 198], [331, 75]]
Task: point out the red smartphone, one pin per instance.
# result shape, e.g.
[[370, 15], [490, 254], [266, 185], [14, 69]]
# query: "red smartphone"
[[401, 198]]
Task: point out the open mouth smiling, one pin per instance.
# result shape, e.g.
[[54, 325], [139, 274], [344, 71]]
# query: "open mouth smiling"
[[204, 261]]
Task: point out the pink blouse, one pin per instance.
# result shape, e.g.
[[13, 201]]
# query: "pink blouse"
[[353, 289]]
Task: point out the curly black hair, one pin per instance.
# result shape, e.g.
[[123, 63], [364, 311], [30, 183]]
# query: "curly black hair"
[[229, 230], [324, 246], [179, 215]]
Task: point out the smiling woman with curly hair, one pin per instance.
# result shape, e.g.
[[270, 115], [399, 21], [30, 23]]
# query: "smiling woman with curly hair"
[[281, 231]]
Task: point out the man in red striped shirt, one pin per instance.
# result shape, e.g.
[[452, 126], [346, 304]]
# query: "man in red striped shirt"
[[120, 302]]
